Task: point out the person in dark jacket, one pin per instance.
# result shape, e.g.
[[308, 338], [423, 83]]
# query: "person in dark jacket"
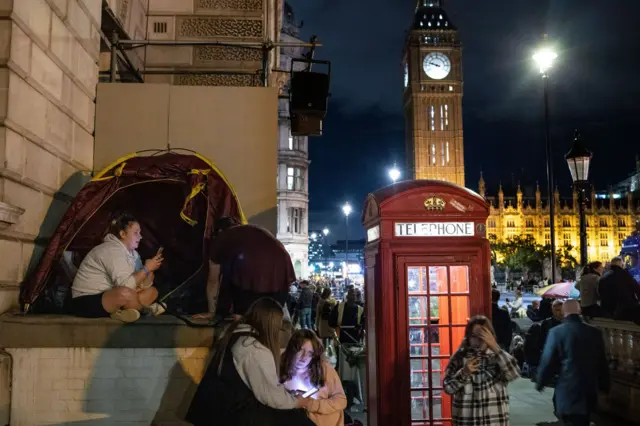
[[552, 322], [349, 317], [533, 348], [545, 309], [501, 322], [575, 352], [305, 305], [620, 293], [533, 311]]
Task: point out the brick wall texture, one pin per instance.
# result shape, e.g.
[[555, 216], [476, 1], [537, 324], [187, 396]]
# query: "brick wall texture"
[[55, 386]]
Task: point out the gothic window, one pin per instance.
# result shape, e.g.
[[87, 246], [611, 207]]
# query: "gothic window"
[[433, 153], [295, 179], [621, 222], [492, 223], [603, 222], [451, 88], [604, 240], [447, 152], [290, 140], [446, 117], [294, 220], [621, 238], [441, 117], [442, 154], [546, 223], [432, 118], [511, 223], [547, 239], [529, 223], [566, 239], [566, 222]]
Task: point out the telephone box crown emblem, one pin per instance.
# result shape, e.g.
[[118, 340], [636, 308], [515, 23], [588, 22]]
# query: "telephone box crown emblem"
[[434, 203]]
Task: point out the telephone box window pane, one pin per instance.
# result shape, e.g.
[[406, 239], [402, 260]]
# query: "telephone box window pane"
[[437, 373], [419, 373], [420, 405], [438, 280], [459, 276], [417, 279], [460, 310], [436, 403], [418, 310], [419, 340]]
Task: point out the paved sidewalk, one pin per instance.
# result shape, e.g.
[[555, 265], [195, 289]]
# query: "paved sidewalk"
[[532, 408]]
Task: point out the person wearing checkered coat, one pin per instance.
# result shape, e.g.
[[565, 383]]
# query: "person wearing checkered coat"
[[477, 377]]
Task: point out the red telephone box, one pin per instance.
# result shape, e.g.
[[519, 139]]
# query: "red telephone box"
[[427, 271]]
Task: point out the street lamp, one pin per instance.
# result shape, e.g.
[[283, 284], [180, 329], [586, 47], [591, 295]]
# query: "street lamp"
[[394, 174], [325, 232], [346, 209], [578, 160], [544, 58]]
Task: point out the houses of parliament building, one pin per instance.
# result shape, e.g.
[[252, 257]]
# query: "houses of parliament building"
[[433, 90]]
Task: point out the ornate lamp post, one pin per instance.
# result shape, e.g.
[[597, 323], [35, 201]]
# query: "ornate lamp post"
[[544, 58], [346, 209], [394, 174], [579, 159], [325, 232]]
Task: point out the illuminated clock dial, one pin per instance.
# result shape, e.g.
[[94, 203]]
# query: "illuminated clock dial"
[[436, 65]]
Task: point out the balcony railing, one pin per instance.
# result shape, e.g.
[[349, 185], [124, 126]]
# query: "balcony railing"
[[622, 345]]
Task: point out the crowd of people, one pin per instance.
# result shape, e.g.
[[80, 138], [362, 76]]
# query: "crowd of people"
[[256, 383]]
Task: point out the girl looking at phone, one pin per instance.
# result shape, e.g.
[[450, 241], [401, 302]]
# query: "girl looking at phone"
[[477, 377], [305, 372]]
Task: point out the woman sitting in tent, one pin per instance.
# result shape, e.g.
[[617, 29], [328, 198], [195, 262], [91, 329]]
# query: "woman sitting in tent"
[[112, 281]]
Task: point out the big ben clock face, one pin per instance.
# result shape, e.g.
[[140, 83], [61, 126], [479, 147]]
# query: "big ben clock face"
[[436, 65]]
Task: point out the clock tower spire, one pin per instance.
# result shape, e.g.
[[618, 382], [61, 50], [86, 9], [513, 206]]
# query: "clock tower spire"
[[433, 95]]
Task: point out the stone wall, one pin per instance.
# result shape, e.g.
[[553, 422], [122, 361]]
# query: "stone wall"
[[212, 20], [48, 75], [104, 386]]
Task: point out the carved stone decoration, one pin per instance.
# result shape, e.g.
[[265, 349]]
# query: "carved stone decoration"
[[279, 79], [245, 80], [229, 4], [9, 215], [231, 53], [197, 27]]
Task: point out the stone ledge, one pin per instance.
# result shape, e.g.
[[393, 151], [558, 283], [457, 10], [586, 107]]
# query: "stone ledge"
[[9, 215], [62, 331]]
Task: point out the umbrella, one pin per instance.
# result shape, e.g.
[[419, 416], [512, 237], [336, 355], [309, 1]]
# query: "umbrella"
[[559, 291]]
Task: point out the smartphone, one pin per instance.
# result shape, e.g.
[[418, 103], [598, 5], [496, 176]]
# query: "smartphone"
[[160, 250], [310, 393]]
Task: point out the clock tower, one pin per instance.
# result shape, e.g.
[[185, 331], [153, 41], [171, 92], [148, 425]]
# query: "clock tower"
[[433, 96]]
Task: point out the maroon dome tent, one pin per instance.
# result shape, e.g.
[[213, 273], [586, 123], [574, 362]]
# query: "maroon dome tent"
[[175, 197]]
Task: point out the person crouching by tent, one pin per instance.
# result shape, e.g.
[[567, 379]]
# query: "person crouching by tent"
[[246, 264], [241, 386], [112, 281]]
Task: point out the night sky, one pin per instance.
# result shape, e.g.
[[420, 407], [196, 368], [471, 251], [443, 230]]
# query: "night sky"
[[594, 87]]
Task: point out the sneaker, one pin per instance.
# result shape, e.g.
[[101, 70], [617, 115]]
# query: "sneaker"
[[126, 315], [155, 309]]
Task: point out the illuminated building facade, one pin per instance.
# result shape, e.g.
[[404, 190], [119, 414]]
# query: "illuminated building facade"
[[522, 211]]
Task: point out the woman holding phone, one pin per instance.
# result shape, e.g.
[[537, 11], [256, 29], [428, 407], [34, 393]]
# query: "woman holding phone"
[[304, 372], [477, 377], [241, 386]]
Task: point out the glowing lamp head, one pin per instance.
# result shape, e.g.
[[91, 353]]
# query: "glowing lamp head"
[[325, 231], [394, 174], [346, 209], [544, 58]]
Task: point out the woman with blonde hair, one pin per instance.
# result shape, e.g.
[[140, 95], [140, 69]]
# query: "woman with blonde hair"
[[304, 371], [241, 386], [477, 377]]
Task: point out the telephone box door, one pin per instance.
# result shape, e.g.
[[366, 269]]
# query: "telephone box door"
[[438, 304]]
